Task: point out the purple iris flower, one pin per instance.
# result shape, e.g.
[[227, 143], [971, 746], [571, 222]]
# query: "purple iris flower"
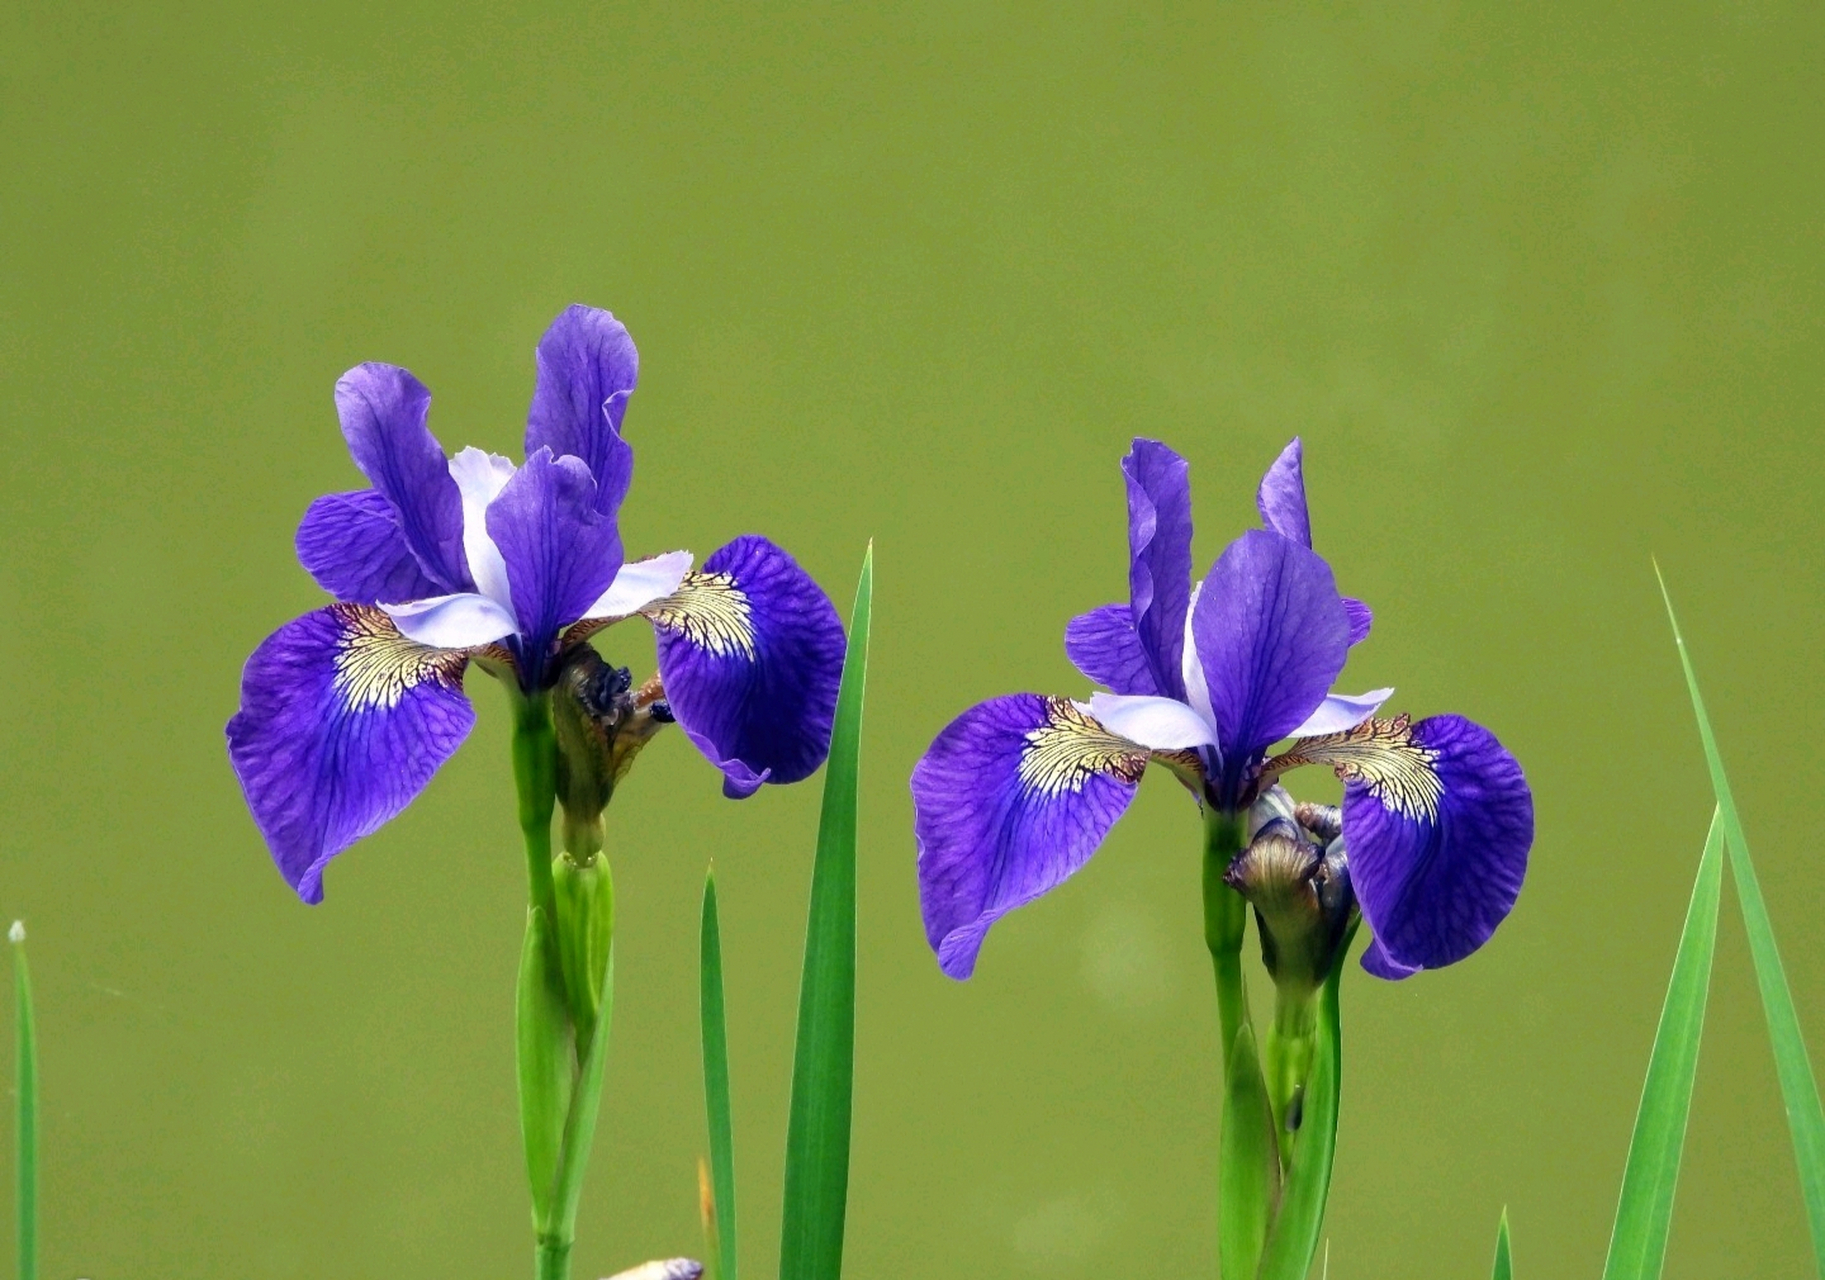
[[347, 711], [1017, 792]]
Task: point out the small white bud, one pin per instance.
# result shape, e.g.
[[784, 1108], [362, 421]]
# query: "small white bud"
[[16, 934]]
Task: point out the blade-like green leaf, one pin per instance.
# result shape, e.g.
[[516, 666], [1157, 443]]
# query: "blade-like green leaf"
[[719, 1221], [1638, 1243], [1504, 1256], [1293, 1240], [823, 1065], [1799, 1088], [27, 1090], [542, 1023], [1248, 1162], [580, 1124]]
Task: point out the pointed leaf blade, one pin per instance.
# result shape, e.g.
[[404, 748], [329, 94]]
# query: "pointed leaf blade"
[[1248, 1162], [542, 1024], [719, 1218], [1504, 1256], [26, 1171], [1292, 1242]]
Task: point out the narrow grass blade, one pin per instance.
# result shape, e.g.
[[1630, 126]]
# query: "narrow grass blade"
[[823, 1065], [27, 1169], [1293, 1240], [719, 1214], [1799, 1088], [1638, 1243], [1248, 1162], [1504, 1256]]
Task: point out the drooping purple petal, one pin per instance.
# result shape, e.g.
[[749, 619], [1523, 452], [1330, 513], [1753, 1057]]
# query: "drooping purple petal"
[[560, 553], [351, 543], [383, 410], [1271, 637], [1102, 644], [1438, 821], [1378, 962], [751, 653], [342, 722], [1159, 568], [1361, 619], [1009, 801], [587, 368], [1281, 497]]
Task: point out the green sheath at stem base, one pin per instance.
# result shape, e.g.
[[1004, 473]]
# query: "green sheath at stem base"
[[552, 1261]]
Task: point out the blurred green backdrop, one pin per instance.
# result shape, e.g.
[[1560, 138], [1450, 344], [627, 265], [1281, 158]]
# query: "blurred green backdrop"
[[1537, 284]]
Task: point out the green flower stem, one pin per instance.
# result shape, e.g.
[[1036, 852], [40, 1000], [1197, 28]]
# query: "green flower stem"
[[535, 775], [1225, 917], [553, 1260]]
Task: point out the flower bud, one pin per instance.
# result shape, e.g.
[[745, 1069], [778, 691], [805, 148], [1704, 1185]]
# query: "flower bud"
[[1299, 888], [602, 722]]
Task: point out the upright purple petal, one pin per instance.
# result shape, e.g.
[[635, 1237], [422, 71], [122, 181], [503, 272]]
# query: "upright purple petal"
[[560, 553], [1361, 619], [383, 410], [587, 368], [1281, 497], [351, 543], [1102, 644], [342, 722], [1159, 567], [1009, 801], [1272, 636], [751, 653]]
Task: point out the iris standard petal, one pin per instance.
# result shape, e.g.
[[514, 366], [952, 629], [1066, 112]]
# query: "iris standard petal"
[[561, 555], [1159, 724], [452, 622], [751, 653], [1340, 711], [352, 545], [1281, 497], [342, 722], [1159, 566], [383, 410], [1271, 637], [1438, 821], [1009, 801], [1103, 645], [640, 583], [587, 368], [480, 476], [1361, 619]]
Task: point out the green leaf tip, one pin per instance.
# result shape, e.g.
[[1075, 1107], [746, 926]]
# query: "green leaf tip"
[[16, 934], [1504, 1256]]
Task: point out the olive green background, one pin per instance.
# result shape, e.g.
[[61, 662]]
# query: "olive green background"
[[1537, 284]]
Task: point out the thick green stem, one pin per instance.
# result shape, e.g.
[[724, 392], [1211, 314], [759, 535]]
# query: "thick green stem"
[[535, 775], [1225, 917], [552, 1260]]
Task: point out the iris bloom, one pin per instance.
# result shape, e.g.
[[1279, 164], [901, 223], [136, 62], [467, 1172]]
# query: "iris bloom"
[[347, 711], [1017, 792]]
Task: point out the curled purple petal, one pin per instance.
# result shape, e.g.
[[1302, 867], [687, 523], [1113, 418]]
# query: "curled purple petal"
[[561, 555], [342, 722], [751, 654], [1103, 645], [1377, 961], [1361, 619], [1281, 497], [1009, 801], [383, 410], [1271, 636], [351, 543], [1159, 568], [1438, 821], [587, 368]]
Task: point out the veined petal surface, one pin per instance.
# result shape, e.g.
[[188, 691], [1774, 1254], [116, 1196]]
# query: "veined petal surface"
[[1104, 646], [751, 653], [460, 621], [1159, 724], [587, 368], [1271, 637], [383, 410], [561, 554], [342, 722], [1362, 618], [351, 543], [1159, 568], [1281, 497], [1009, 801], [1437, 821]]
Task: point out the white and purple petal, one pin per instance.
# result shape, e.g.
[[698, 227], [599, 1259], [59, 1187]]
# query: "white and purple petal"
[[383, 410], [351, 543], [1438, 821], [480, 476], [1159, 567], [641, 583], [1159, 724], [561, 553], [751, 654], [1009, 801], [587, 368], [1103, 645], [462, 621], [1271, 637], [1341, 711], [342, 722]]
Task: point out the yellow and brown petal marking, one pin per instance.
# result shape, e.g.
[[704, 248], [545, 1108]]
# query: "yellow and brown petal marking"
[[1384, 756], [711, 612], [1070, 748], [376, 666]]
